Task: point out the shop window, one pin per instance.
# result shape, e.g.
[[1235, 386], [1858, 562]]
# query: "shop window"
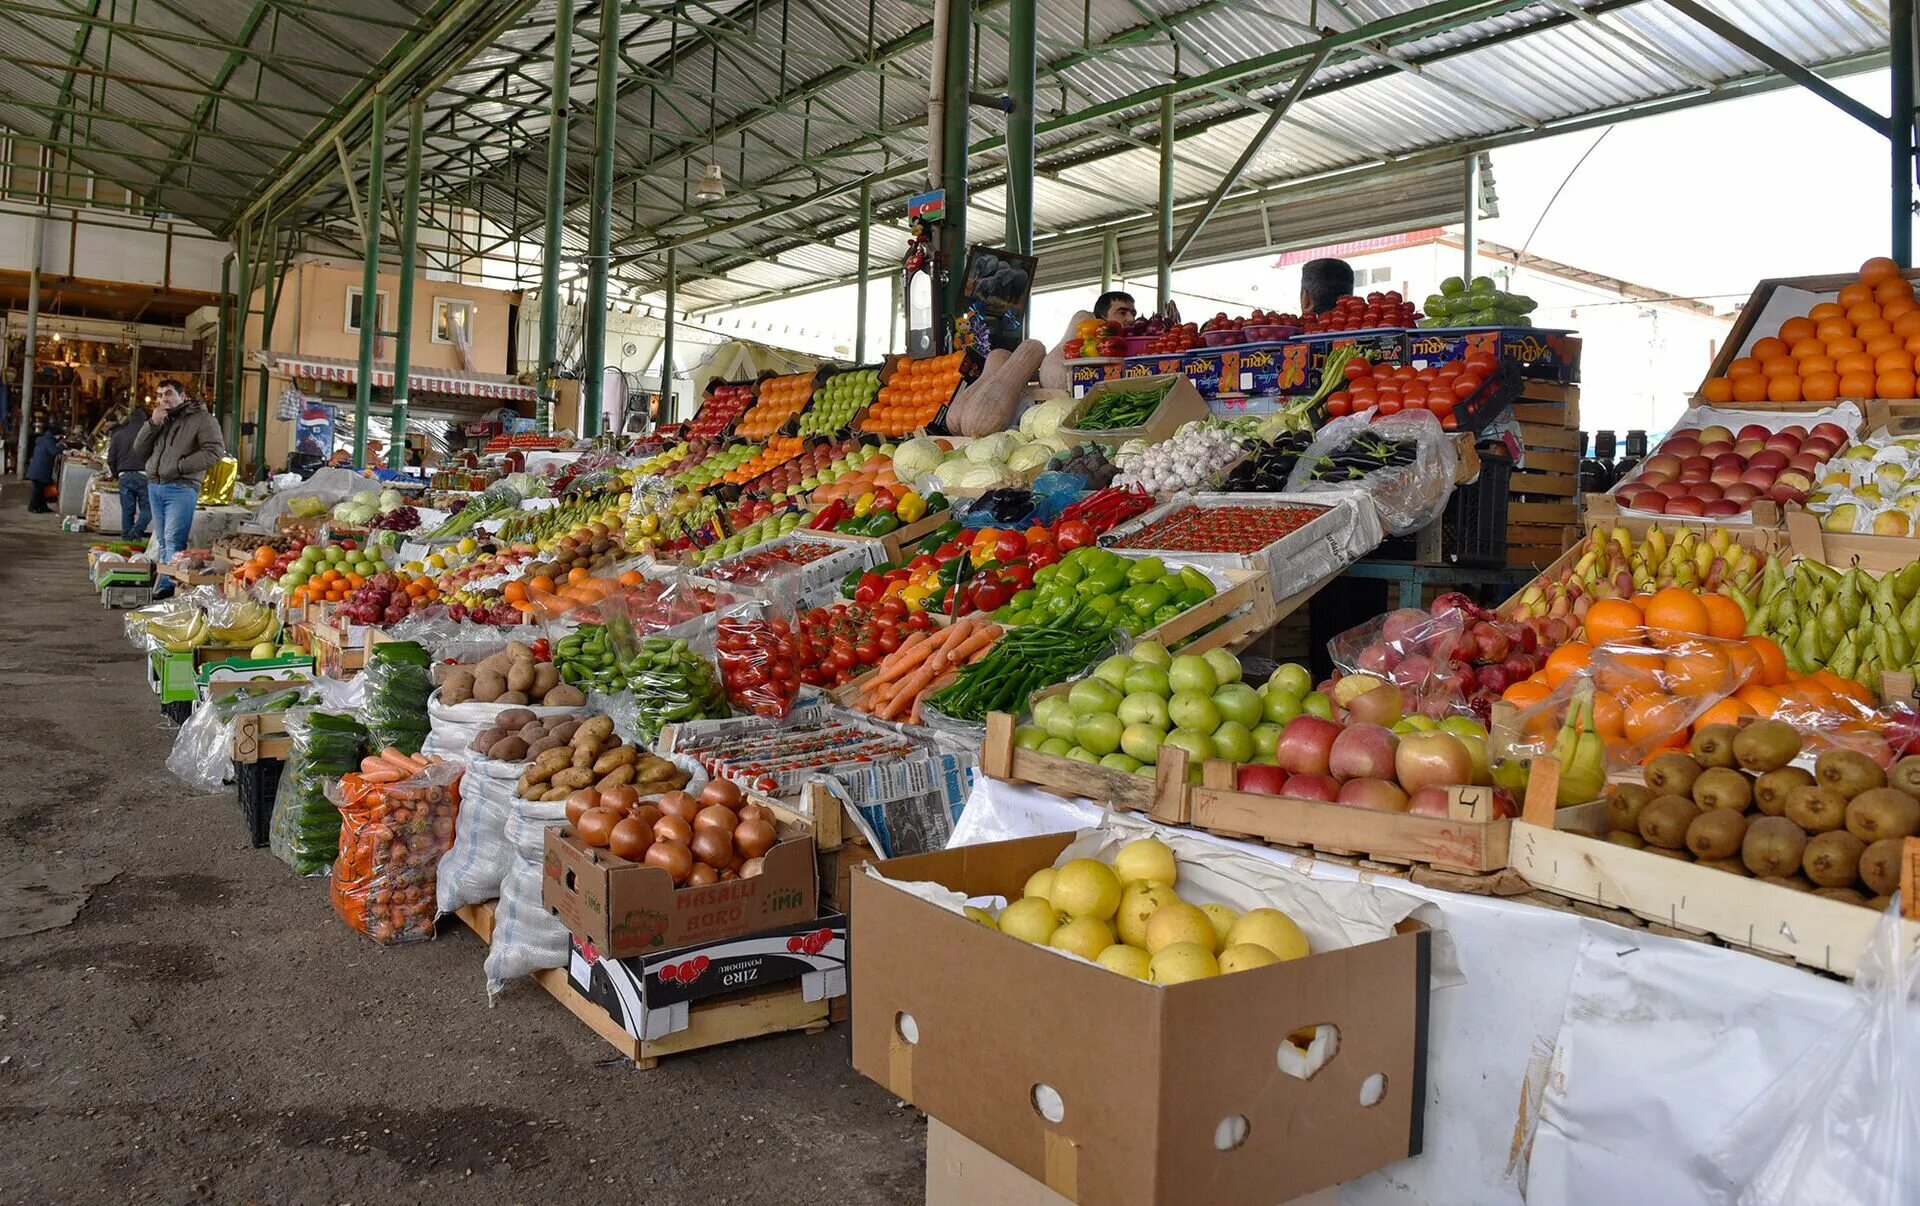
[[353, 311], [453, 321]]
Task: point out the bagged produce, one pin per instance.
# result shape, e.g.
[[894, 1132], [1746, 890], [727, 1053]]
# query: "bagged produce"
[[1404, 462], [399, 680], [305, 829], [526, 938], [392, 836], [759, 665], [472, 868], [202, 754]]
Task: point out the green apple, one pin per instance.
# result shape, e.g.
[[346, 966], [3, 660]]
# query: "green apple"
[[1091, 695], [1114, 670], [1143, 707], [1082, 754], [1044, 710], [1317, 704], [1291, 679], [1414, 724], [1226, 667], [1029, 737], [1239, 702], [1463, 726], [1190, 673], [1098, 732], [1279, 707], [1233, 741], [1142, 741], [1266, 738], [1146, 678], [1199, 746], [1194, 710], [1056, 746], [1120, 762], [1152, 653]]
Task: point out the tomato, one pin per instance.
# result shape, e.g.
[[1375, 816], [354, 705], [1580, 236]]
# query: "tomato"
[[1465, 386], [1414, 401], [1449, 424], [869, 588], [891, 608], [1441, 405], [1363, 393], [990, 596], [1448, 371], [1355, 369], [919, 621], [889, 641], [1389, 406], [1405, 372], [1340, 404], [1481, 364]]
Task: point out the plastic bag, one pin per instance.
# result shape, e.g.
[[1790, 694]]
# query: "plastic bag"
[[754, 650], [325, 488], [1408, 496], [1841, 1127], [305, 829], [399, 680], [202, 754], [526, 937], [392, 836], [472, 868]]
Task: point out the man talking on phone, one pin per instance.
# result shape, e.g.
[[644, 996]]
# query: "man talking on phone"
[[180, 443]]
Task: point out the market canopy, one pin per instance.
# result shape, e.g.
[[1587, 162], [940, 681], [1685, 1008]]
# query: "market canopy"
[[231, 110], [453, 383]]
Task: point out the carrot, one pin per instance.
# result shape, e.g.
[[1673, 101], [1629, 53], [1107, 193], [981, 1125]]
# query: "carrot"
[[919, 701], [373, 765], [399, 761], [969, 648], [910, 654], [910, 689], [381, 776]]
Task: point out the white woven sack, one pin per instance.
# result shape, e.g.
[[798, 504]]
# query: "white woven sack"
[[471, 870], [526, 938], [454, 726]]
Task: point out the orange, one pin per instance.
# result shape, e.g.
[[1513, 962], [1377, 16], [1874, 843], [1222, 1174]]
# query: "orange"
[[1724, 617], [1698, 670], [1854, 295], [1834, 328], [1820, 387], [1907, 325], [1796, 329], [1852, 385], [1779, 366], [1727, 711], [1719, 389], [541, 584], [1654, 718], [1872, 329], [1897, 361], [1783, 388], [1897, 309], [1864, 312], [1844, 686], [1892, 290], [1878, 269], [1880, 345], [1840, 347], [1853, 362], [1611, 620], [1609, 717], [1773, 663], [1825, 310], [1763, 701], [1630, 671], [1745, 366], [1897, 384], [1525, 693], [1821, 363], [1807, 347], [1675, 614], [1566, 661], [1746, 663], [1751, 388], [1767, 349]]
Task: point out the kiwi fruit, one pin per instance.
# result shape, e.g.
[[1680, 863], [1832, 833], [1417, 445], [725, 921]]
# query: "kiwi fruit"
[[1880, 867], [1672, 774], [1883, 812], [1624, 803], [1721, 788], [1665, 819], [1905, 775], [1713, 746], [1766, 745], [1848, 772], [1732, 866], [1772, 847], [1880, 904], [1631, 841], [1770, 790], [1716, 833], [1846, 895], [1682, 855], [1797, 882], [1816, 809], [1832, 860]]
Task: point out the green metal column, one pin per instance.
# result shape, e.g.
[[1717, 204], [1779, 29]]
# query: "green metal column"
[[1469, 227], [267, 308], [953, 147], [1109, 259], [221, 336], [864, 254], [1900, 128], [1166, 200], [668, 404], [1020, 88], [237, 366], [403, 311], [370, 277], [600, 232], [556, 212]]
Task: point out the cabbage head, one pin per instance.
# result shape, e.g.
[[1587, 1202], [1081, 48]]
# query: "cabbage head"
[[996, 447], [1043, 420], [916, 459]]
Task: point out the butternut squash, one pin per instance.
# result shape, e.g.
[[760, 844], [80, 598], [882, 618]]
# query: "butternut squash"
[[990, 403]]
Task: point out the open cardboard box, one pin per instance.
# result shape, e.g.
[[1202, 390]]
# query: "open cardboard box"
[[1181, 404], [1113, 1090]]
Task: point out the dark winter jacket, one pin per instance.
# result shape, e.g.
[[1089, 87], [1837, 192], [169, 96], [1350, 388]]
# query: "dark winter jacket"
[[121, 454], [46, 450], [182, 446]]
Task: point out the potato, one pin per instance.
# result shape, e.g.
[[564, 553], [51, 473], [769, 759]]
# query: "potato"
[[531, 733], [615, 777], [499, 664], [515, 651], [566, 695], [544, 744], [574, 779], [484, 739], [596, 730], [565, 729], [488, 687], [515, 719], [545, 679], [520, 675], [508, 749], [513, 697], [583, 755], [458, 687], [624, 756], [653, 770], [556, 793], [526, 786]]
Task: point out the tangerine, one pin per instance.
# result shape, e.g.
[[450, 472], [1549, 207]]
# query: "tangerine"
[[1878, 269], [1834, 328], [1908, 324], [1746, 663], [1896, 361], [1820, 363], [1796, 329], [1614, 620], [1807, 347], [1717, 389], [1892, 290], [1864, 312], [1784, 388], [1773, 662], [1825, 310], [1609, 716], [1763, 701], [1852, 385], [1820, 387], [1779, 366], [1698, 669], [1728, 711], [1724, 617], [1853, 362], [1751, 388], [1653, 719], [1854, 295], [1873, 329], [1674, 615], [1630, 671], [1898, 308], [1880, 345], [1566, 661], [1745, 366], [1767, 349], [1840, 347], [1896, 384]]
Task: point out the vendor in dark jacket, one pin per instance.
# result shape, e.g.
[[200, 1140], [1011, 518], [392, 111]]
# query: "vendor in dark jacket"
[[179, 445], [129, 468], [42, 467]]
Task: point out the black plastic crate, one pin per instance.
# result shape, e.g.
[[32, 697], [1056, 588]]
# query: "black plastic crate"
[[178, 711], [256, 784]]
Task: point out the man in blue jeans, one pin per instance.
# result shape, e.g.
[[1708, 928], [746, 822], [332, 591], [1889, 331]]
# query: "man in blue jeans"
[[179, 445], [129, 468]]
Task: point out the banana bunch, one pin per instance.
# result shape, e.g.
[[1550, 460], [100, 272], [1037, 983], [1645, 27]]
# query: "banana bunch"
[[178, 631], [249, 623], [1581, 753], [1613, 565], [1854, 623]]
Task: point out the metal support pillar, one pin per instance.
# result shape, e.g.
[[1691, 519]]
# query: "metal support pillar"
[[1109, 259], [1020, 89], [895, 313], [860, 287], [271, 285], [30, 366], [222, 337], [1469, 238], [953, 147], [593, 364], [403, 310], [557, 117], [669, 405], [1166, 201], [370, 278], [237, 366], [1900, 128]]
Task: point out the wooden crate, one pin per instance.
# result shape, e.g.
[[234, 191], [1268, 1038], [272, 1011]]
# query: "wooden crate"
[[334, 654], [193, 577], [1754, 322], [260, 736], [1680, 897], [1760, 537], [1166, 797], [1875, 554]]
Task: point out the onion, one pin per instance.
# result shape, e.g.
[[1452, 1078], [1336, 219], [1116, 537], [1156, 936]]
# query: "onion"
[[620, 799], [713, 847], [578, 803], [672, 829], [716, 816], [595, 826], [647, 814], [720, 791], [679, 804], [672, 857], [751, 868], [630, 839], [701, 876], [756, 812], [754, 838]]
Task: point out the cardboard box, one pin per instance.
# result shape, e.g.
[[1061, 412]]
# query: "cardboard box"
[[1141, 1082], [649, 996], [1181, 404], [628, 908], [1541, 354]]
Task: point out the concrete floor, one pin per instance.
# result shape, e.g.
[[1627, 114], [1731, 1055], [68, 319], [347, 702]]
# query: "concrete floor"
[[206, 1028]]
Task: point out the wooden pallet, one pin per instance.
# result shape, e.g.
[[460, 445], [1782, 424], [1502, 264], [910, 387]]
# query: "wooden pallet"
[[710, 1023]]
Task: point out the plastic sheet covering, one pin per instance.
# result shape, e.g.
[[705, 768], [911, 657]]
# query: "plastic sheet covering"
[[1408, 497], [471, 870], [526, 938], [1348, 531], [327, 487], [392, 836], [305, 829]]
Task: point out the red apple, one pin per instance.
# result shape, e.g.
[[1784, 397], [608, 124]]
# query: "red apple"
[[1430, 802], [1680, 446], [1313, 787], [1724, 506], [1716, 449], [1806, 463], [1674, 490], [1795, 430], [1432, 760], [1819, 448], [1267, 780], [1770, 458], [1649, 500], [1748, 447], [1374, 793], [1831, 432], [1787, 492], [1693, 464], [1688, 505], [1753, 431], [1716, 434], [1743, 491], [1665, 464], [1788, 444], [1730, 460], [1363, 751], [1653, 479], [1305, 745], [1704, 491]]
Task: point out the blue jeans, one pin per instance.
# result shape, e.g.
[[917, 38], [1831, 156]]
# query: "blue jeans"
[[173, 504], [136, 513]]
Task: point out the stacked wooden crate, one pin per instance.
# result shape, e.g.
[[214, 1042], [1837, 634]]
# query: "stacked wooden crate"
[[1543, 511]]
